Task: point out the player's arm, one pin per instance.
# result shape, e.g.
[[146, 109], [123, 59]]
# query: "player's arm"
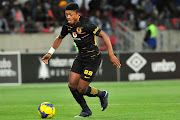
[[93, 29], [113, 58], [56, 44]]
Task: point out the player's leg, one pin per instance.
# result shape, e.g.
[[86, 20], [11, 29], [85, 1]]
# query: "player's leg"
[[84, 88], [76, 70], [73, 82], [81, 88], [103, 96], [86, 77]]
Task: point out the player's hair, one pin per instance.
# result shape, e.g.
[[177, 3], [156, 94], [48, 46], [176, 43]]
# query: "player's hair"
[[73, 6]]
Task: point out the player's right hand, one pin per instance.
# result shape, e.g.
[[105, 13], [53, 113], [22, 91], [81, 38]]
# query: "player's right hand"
[[46, 57]]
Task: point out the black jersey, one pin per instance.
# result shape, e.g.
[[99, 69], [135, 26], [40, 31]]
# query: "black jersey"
[[83, 34]]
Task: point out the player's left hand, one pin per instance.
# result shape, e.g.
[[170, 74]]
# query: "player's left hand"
[[115, 61]]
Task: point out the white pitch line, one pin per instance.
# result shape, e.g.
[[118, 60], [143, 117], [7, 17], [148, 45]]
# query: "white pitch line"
[[99, 105], [127, 104], [32, 87]]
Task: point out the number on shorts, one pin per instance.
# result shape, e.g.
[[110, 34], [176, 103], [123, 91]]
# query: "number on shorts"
[[87, 72]]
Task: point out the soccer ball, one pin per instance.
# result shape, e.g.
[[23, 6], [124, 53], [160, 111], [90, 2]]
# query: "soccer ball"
[[46, 110]]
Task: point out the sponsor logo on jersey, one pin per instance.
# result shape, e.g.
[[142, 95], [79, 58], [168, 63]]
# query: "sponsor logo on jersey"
[[76, 38], [74, 34]]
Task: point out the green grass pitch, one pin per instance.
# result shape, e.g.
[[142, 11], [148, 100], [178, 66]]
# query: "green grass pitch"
[[150, 100]]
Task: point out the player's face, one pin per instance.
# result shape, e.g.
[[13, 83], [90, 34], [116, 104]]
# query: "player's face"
[[72, 16]]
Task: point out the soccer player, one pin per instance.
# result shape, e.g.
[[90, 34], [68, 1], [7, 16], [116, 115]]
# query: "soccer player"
[[88, 58]]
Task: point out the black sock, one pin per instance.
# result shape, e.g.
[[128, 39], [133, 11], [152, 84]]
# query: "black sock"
[[80, 99], [94, 92]]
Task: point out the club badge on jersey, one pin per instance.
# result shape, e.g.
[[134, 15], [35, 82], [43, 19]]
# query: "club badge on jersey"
[[79, 30]]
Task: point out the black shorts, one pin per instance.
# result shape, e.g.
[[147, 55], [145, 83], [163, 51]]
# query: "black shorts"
[[86, 67]]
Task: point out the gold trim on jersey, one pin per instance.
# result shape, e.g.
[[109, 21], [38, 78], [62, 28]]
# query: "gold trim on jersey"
[[95, 40], [95, 55], [95, 31], [85, 36], [82, 33], [69, 26], [90, 51]]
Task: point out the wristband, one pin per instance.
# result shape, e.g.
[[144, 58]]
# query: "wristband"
[[51, 50]]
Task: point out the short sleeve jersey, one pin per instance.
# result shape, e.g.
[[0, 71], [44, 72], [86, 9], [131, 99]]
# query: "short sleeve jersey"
[[83, 34]]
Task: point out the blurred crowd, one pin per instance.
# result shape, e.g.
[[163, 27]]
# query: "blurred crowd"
[[33, 16]]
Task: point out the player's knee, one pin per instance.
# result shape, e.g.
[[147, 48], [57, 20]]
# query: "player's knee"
[[72, 86], [81, 90]]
